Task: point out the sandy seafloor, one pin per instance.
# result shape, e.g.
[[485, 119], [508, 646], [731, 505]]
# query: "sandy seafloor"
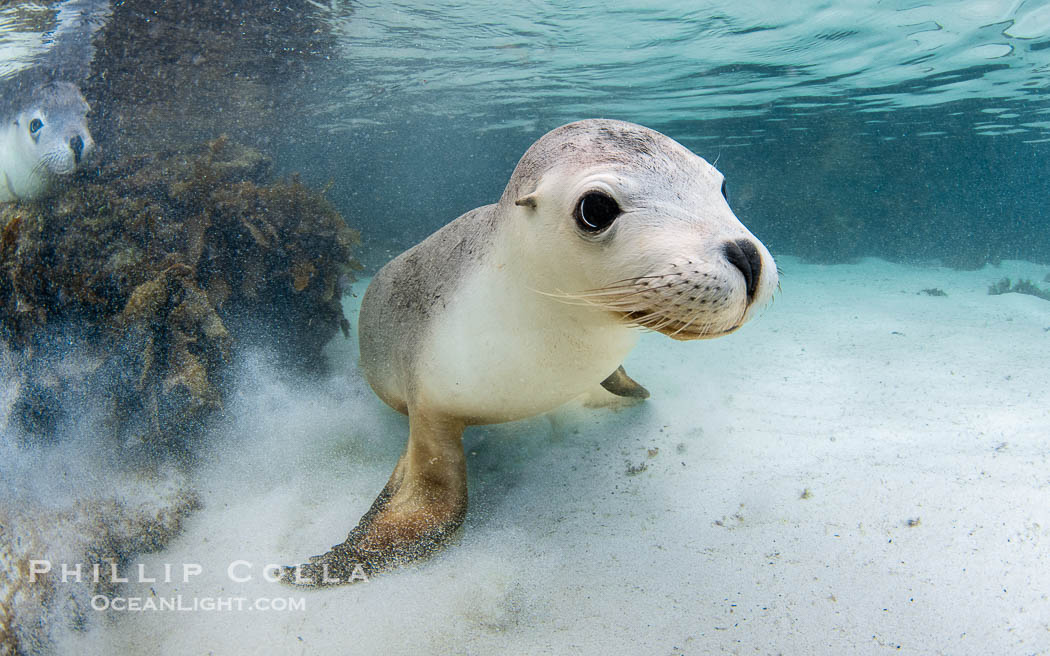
[[862, 469]]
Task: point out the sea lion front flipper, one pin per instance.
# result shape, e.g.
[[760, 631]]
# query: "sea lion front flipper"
[[620, 384], [422, 505]]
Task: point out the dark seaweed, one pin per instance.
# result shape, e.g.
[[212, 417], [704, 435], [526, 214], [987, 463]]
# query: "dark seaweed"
[[1019, 287], [154, 271]]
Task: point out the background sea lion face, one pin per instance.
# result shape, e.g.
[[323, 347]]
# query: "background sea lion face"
[[631, 221], [52, 134]]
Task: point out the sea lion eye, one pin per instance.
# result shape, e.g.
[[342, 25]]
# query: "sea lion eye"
[[35, 125], [596, 212], [724, 194]]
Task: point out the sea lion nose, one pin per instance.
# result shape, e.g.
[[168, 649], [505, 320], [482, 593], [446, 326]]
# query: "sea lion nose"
[[743, 254], [77, 144]]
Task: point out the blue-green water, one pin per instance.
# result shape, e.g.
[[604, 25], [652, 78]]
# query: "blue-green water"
[[906, 130]]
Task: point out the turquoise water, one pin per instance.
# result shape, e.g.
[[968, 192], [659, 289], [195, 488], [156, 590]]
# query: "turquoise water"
[[908, 130], [521, 64]]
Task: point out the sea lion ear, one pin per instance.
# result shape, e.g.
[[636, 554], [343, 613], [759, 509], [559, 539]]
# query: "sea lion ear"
[[527, 201]]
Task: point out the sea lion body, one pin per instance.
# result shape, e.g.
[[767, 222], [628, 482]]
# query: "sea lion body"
[[44, 139], [445, 330], [518, 307]]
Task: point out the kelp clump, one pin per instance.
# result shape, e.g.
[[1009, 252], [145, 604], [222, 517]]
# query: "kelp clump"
[[137, 283], [1019, 287]]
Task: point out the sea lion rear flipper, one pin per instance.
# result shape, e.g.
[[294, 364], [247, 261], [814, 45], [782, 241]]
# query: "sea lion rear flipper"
[[419, 509], [620, 384]]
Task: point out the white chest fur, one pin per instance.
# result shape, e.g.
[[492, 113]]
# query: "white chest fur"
[[502, 351], [17, 163]]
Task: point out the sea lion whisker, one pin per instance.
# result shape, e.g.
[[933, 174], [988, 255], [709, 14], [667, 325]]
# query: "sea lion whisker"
[[639, 321], [655, 319], [687, 323], [668, 321], [605, 299], [43, 165], [610, 292], [579, 301], [638, 287], [612, 289], [561, 294], [700, 311], [632, 281]]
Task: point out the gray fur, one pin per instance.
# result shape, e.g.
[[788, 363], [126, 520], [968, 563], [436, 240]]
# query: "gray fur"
[[599, 141], [399, 304]]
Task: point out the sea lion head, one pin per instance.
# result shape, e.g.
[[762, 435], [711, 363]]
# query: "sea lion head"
[[50, 138], [625, 219]]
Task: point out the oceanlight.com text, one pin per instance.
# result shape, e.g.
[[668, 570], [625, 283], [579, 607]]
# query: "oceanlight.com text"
[[180, 603]]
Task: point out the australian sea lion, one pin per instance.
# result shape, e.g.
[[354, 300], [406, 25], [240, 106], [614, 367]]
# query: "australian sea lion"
[[44, 138], [515, 308]]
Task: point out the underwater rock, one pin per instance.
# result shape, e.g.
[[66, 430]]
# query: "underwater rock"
[[107, 531], [253, 69], [151, 272]]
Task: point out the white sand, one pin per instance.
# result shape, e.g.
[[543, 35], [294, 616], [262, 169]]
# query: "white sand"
[[885, 405]]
